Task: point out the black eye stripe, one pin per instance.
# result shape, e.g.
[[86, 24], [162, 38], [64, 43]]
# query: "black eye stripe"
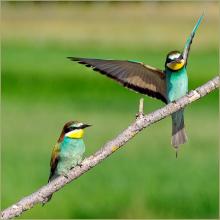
[[69, 129]]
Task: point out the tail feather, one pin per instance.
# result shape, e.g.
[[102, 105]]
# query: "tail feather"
[[178, 130], [47, 199], [179, 138]]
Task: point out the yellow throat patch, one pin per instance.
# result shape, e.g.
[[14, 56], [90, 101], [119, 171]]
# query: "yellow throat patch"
[[176, 66], [78, 133]]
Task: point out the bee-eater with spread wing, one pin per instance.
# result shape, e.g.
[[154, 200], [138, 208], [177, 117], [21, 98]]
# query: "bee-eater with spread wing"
[[68, 151], [168, 85]]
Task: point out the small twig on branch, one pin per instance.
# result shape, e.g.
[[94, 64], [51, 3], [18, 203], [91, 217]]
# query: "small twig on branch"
[[141, 109], [109, 148]]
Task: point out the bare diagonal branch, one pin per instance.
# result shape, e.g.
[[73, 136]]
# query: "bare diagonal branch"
[[109, 148]]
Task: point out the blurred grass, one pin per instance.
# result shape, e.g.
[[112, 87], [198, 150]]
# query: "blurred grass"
[[41, 90]]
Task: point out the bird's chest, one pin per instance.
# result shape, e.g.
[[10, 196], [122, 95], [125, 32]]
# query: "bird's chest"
[[70, 155], [71, 148], [177, 84]]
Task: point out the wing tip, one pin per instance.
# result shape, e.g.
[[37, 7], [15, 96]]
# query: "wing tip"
[[73, 58]]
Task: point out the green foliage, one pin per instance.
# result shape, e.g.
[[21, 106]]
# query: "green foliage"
[[41, 90]]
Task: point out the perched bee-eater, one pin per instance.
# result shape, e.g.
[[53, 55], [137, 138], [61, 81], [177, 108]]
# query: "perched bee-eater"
[[168, 85], [68, 151]]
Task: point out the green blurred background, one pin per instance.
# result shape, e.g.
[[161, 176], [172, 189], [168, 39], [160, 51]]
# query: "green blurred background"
[[41, 90]]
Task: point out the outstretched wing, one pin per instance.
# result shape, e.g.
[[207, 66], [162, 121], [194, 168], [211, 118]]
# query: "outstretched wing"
[[54, 160], [190, 39], [134, 75]]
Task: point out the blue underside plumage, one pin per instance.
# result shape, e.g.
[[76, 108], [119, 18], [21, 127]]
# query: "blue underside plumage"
[[176, 83], [177, 86], [70, 155]]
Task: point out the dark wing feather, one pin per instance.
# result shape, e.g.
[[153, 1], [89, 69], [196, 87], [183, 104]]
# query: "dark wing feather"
[[134, 75], [54, 160]]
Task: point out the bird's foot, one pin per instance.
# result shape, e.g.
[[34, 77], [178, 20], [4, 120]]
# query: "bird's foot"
[[139, 115], [65, 175], [80, 165]]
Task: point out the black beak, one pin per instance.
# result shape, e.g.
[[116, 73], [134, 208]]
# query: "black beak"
[[85, 126], [178, 60]]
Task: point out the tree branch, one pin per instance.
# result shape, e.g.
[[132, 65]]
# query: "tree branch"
[[109, 148]]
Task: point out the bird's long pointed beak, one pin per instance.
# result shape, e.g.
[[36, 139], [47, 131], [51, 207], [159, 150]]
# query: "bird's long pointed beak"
[[178, 61], [85, 126]]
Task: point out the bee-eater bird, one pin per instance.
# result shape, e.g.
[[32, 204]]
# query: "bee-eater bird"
[[168, 85], [68, 151]]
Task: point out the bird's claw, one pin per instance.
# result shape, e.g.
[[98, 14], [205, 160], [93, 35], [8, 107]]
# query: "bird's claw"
[[66, 176], [139, 115], [80, 165]]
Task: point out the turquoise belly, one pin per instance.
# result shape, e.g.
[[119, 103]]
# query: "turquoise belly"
[[177, 84], [70, 155]]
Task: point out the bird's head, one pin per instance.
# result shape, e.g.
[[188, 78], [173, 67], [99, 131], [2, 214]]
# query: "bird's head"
[[73, 129], [174, 61]]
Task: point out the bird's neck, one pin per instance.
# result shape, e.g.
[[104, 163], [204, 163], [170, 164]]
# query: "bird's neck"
[[175, 72], [69, 144], [70, 141]]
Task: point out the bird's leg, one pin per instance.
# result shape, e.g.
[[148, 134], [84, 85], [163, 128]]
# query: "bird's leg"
[[79, 164], [65, 175], [140, 113]]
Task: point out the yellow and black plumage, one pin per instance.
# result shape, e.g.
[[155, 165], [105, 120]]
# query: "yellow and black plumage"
[[167, 85]]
